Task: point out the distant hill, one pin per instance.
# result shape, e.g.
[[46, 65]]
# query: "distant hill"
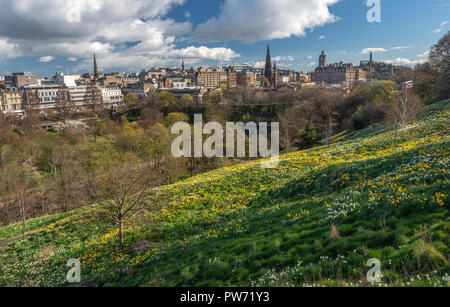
[[316, 219]]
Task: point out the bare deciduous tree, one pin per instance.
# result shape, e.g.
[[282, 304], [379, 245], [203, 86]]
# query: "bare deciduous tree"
[[31, 106], [21, 196], [20, 182], [290, 123], [440, 62], [64, 103], [94, 98], [405, 110], [122, 189]]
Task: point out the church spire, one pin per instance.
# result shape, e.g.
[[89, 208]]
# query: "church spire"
[[268, 69], [182, 65]]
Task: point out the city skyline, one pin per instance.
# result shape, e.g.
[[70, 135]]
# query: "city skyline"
[[207, 33]]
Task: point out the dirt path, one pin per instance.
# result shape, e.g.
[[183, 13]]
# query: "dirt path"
[[8, 241]]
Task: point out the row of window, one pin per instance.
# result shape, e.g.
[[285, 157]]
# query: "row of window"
[[45, 93], [11, 100], [14, 107]]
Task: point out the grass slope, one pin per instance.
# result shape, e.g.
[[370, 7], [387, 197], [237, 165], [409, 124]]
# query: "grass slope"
[[316, 219]]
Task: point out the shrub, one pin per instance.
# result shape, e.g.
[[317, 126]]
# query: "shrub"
[[421, 257], [173, 118]]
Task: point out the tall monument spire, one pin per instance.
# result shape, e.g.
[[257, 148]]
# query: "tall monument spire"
[[182, 65], [95, 68], [268, 69]]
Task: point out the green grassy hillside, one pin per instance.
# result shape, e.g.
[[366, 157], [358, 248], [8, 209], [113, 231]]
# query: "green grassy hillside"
[[316, 219]]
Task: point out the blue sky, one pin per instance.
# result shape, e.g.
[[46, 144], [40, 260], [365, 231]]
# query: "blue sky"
[[408, 29]]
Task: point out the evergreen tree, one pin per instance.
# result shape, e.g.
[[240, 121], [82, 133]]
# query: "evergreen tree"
[[308, 136]]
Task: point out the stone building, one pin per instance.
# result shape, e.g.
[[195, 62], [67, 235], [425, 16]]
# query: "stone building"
[[21, 79], [216, 77], [361, 74], [178, 81], [231, 77], [385, 69], [47, 95], [246, 78], [79, 99], [109, 80], [337, 73], [11, 100], [141, 89], [112, 96]]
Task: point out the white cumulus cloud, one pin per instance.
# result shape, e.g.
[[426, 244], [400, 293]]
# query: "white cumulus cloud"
[[259, 64], [404, 61], [424, 55], [6, 47], [288, 58], [373, 50], [441, 28], [124, 34], [255, 20], [46, 59]]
